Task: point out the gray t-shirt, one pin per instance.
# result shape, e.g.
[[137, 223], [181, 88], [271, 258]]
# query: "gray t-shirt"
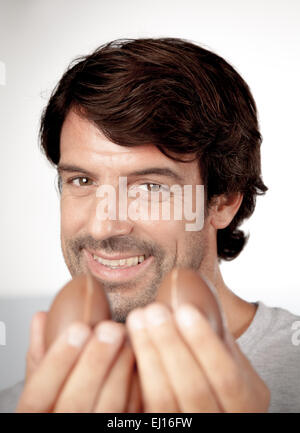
[[271, 343]]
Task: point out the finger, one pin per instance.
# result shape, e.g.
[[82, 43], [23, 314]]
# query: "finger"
[[226, 376], [135, 403], [114, 393], [193, 391], [36, 348], [43, 386], [157, 393], [84, 383]]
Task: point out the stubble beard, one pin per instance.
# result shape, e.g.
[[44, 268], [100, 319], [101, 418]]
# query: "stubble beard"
[[144, 292]]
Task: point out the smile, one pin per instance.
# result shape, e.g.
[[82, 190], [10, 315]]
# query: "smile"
[[118, 264], [121, 269]]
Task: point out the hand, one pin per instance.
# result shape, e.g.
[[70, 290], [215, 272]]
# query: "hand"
[[185, 367], [83, 371], [37, 348]]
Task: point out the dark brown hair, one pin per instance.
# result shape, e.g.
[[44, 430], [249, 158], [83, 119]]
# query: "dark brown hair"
[[184, 99]]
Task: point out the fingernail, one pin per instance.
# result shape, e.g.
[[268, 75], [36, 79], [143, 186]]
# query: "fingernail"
[[187, 315], [108, 332], [77, 335], [136, 319], [157, 314]]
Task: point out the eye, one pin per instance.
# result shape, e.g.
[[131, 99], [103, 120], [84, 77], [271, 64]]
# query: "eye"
[[156, 187], [81, 181], [152, 189]]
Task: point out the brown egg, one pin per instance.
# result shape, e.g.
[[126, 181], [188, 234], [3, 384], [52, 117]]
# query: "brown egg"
[[184, 285], [83, 298]]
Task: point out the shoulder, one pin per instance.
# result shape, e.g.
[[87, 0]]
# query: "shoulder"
[[283, 327], [272, 344], [9, 397], [271, 326]]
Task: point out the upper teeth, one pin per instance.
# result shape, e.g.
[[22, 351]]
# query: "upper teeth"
[[132, 261]]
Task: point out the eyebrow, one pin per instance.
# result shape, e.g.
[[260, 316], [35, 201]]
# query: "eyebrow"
[[161, 171], [71, 168]]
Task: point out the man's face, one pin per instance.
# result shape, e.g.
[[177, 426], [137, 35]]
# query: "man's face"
[[163, 243]]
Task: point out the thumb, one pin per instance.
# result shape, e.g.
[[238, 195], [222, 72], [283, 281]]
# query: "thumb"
[[36, 348]]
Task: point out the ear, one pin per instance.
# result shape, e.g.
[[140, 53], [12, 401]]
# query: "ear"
[[224, 209]]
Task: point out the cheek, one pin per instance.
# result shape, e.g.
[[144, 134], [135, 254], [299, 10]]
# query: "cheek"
[[188, 247], [165, 233], [74, 214]]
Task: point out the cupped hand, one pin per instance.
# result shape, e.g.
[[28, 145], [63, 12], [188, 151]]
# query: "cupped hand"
[[184, 366], [84, 370]]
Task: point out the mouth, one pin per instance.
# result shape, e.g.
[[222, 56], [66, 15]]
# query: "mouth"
[[119, 268]]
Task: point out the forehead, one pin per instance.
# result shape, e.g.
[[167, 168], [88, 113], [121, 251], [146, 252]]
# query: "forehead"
[[84, 145]]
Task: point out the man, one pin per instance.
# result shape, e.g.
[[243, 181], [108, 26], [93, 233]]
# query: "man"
[[157, 112]]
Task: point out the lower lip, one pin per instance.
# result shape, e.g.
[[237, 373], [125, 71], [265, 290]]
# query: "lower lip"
[[120, 274]]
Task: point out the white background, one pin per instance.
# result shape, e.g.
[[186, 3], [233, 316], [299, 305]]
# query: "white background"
[[39, 38]]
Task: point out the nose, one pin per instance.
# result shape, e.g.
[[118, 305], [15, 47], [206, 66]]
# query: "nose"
[[103, 221]]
